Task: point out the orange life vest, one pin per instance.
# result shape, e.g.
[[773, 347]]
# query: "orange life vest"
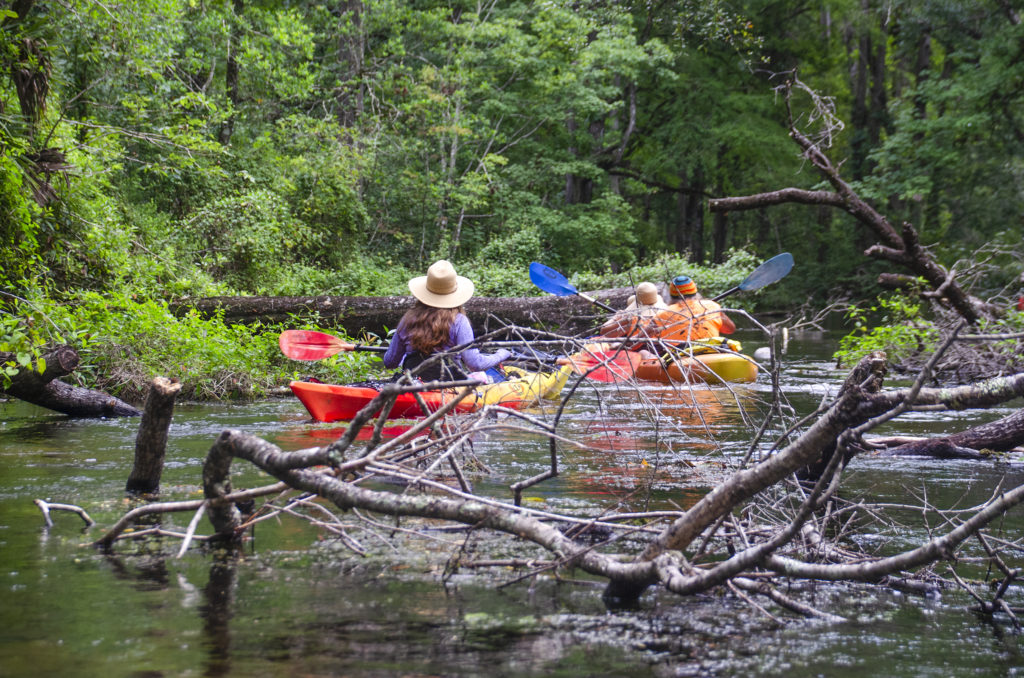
[[691, 319]]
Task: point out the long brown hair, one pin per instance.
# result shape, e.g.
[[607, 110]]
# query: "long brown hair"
[[427, 327]]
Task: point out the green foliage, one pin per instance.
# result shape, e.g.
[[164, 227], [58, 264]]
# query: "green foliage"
[[308, 162], [19, 231], [358, 275], [710, 280], [287, 148], [22, 339], [246, 240], [893, 324], [492, 279], [125, 342]]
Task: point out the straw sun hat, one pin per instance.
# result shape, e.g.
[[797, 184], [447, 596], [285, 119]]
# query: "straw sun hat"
[[646, 297], [441, 287]]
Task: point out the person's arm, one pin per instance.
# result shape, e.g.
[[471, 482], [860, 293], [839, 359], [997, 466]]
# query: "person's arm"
[[396, 349], [725, 323], [616, 326], [462, 333]]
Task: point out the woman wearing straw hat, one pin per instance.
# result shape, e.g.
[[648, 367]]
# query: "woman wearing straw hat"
[[435, 324], [635, 319]]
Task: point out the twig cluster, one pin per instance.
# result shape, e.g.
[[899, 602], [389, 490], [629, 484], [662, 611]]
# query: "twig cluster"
[[777, 516]]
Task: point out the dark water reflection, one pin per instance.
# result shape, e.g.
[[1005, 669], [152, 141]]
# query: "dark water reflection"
[[295, 603]]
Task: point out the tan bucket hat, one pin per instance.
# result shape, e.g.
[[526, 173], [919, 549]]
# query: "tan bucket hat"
[[646, 297], [647, 294], [441, 287]]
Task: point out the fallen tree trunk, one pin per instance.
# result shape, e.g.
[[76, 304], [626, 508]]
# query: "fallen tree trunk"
[[376, 315], [60, 362], [46, 390], [996, 436]]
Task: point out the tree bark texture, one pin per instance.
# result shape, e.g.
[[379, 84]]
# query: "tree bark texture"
[[151, 441], [867, 375], [46, 390], [997, 436]]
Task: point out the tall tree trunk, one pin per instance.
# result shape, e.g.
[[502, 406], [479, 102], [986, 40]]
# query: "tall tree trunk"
[[227, 128], [231, 75], [30, 67], [879, 114], [695, 217], [572, 191], [721, 230], [859, 89], [351, 56], [680, 235]]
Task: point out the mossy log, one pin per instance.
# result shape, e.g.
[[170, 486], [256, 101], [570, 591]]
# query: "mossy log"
[[376, 315], [46, 390]]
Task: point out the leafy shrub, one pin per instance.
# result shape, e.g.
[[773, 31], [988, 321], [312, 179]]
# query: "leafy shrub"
[[313, 167], [710, 280], [125, 342], [19, 246], [572, 237], [246, 240], [498, 280], [893, 324], [21, 338], [515, 249]]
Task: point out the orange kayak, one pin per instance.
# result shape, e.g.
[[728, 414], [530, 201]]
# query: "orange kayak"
[[709, 366]]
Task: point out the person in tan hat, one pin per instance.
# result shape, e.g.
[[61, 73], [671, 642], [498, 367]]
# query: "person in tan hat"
[[436, 323], [634, 320]]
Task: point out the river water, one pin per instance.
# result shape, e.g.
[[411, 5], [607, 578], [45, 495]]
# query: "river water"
[[296, 603]]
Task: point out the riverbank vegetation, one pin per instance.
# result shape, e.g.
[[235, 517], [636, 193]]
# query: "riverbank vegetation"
[[163, 150]]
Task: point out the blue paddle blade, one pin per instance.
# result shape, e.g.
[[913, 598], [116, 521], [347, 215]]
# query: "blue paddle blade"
[[770, 271], [550, 280]]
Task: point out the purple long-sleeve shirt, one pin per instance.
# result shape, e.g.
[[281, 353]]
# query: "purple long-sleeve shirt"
[[461, 332]]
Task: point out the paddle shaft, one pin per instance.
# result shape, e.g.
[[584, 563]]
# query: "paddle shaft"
[[726, 293], [370, 349], [596, 302]]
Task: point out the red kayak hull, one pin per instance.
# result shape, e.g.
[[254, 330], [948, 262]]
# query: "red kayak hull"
[[331, 402]]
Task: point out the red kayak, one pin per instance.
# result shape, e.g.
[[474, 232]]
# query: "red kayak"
[[332, 402]]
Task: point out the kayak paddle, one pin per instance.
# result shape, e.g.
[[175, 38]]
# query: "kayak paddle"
[[773, 270], [553, 282], [311, 345]]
